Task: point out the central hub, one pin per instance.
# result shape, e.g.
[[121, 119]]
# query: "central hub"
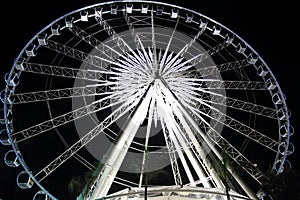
[[157, 75]]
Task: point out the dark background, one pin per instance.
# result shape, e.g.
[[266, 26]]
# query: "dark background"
[[271, 29]]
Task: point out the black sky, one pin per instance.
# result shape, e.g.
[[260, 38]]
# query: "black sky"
[[271, 29]]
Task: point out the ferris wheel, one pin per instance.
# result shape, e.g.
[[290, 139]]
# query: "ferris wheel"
[[147, 100]]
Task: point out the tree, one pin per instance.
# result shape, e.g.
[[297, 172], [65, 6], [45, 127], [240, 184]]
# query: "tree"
[[81, 184], [282, 186], [221, 167], [76, 184]]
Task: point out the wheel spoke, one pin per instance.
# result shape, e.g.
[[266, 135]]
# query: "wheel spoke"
[[125, 48], [164, 57], [211, 84], [211, 70], [66, 72], [172, 66], [218, 99], [237, 126], [78, 55], [155, 63], [110, 119], [105, 49], [78, 113], [47, 95]]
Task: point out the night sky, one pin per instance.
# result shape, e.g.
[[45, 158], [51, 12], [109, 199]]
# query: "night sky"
[[271, 29]]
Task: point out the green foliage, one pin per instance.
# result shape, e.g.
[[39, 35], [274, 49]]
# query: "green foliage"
[[284, 186], [76, 184], [221, 168], [81, 184]]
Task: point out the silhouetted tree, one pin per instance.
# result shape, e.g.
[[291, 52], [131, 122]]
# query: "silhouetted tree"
[[284, 186]]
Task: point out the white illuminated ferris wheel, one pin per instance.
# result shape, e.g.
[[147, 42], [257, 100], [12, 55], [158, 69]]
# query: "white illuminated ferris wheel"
[[154, 100]]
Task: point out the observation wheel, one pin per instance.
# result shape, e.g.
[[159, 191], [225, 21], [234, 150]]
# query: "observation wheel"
[[127, 99]]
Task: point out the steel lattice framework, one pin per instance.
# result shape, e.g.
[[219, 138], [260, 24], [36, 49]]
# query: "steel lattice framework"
[[144, 88]]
